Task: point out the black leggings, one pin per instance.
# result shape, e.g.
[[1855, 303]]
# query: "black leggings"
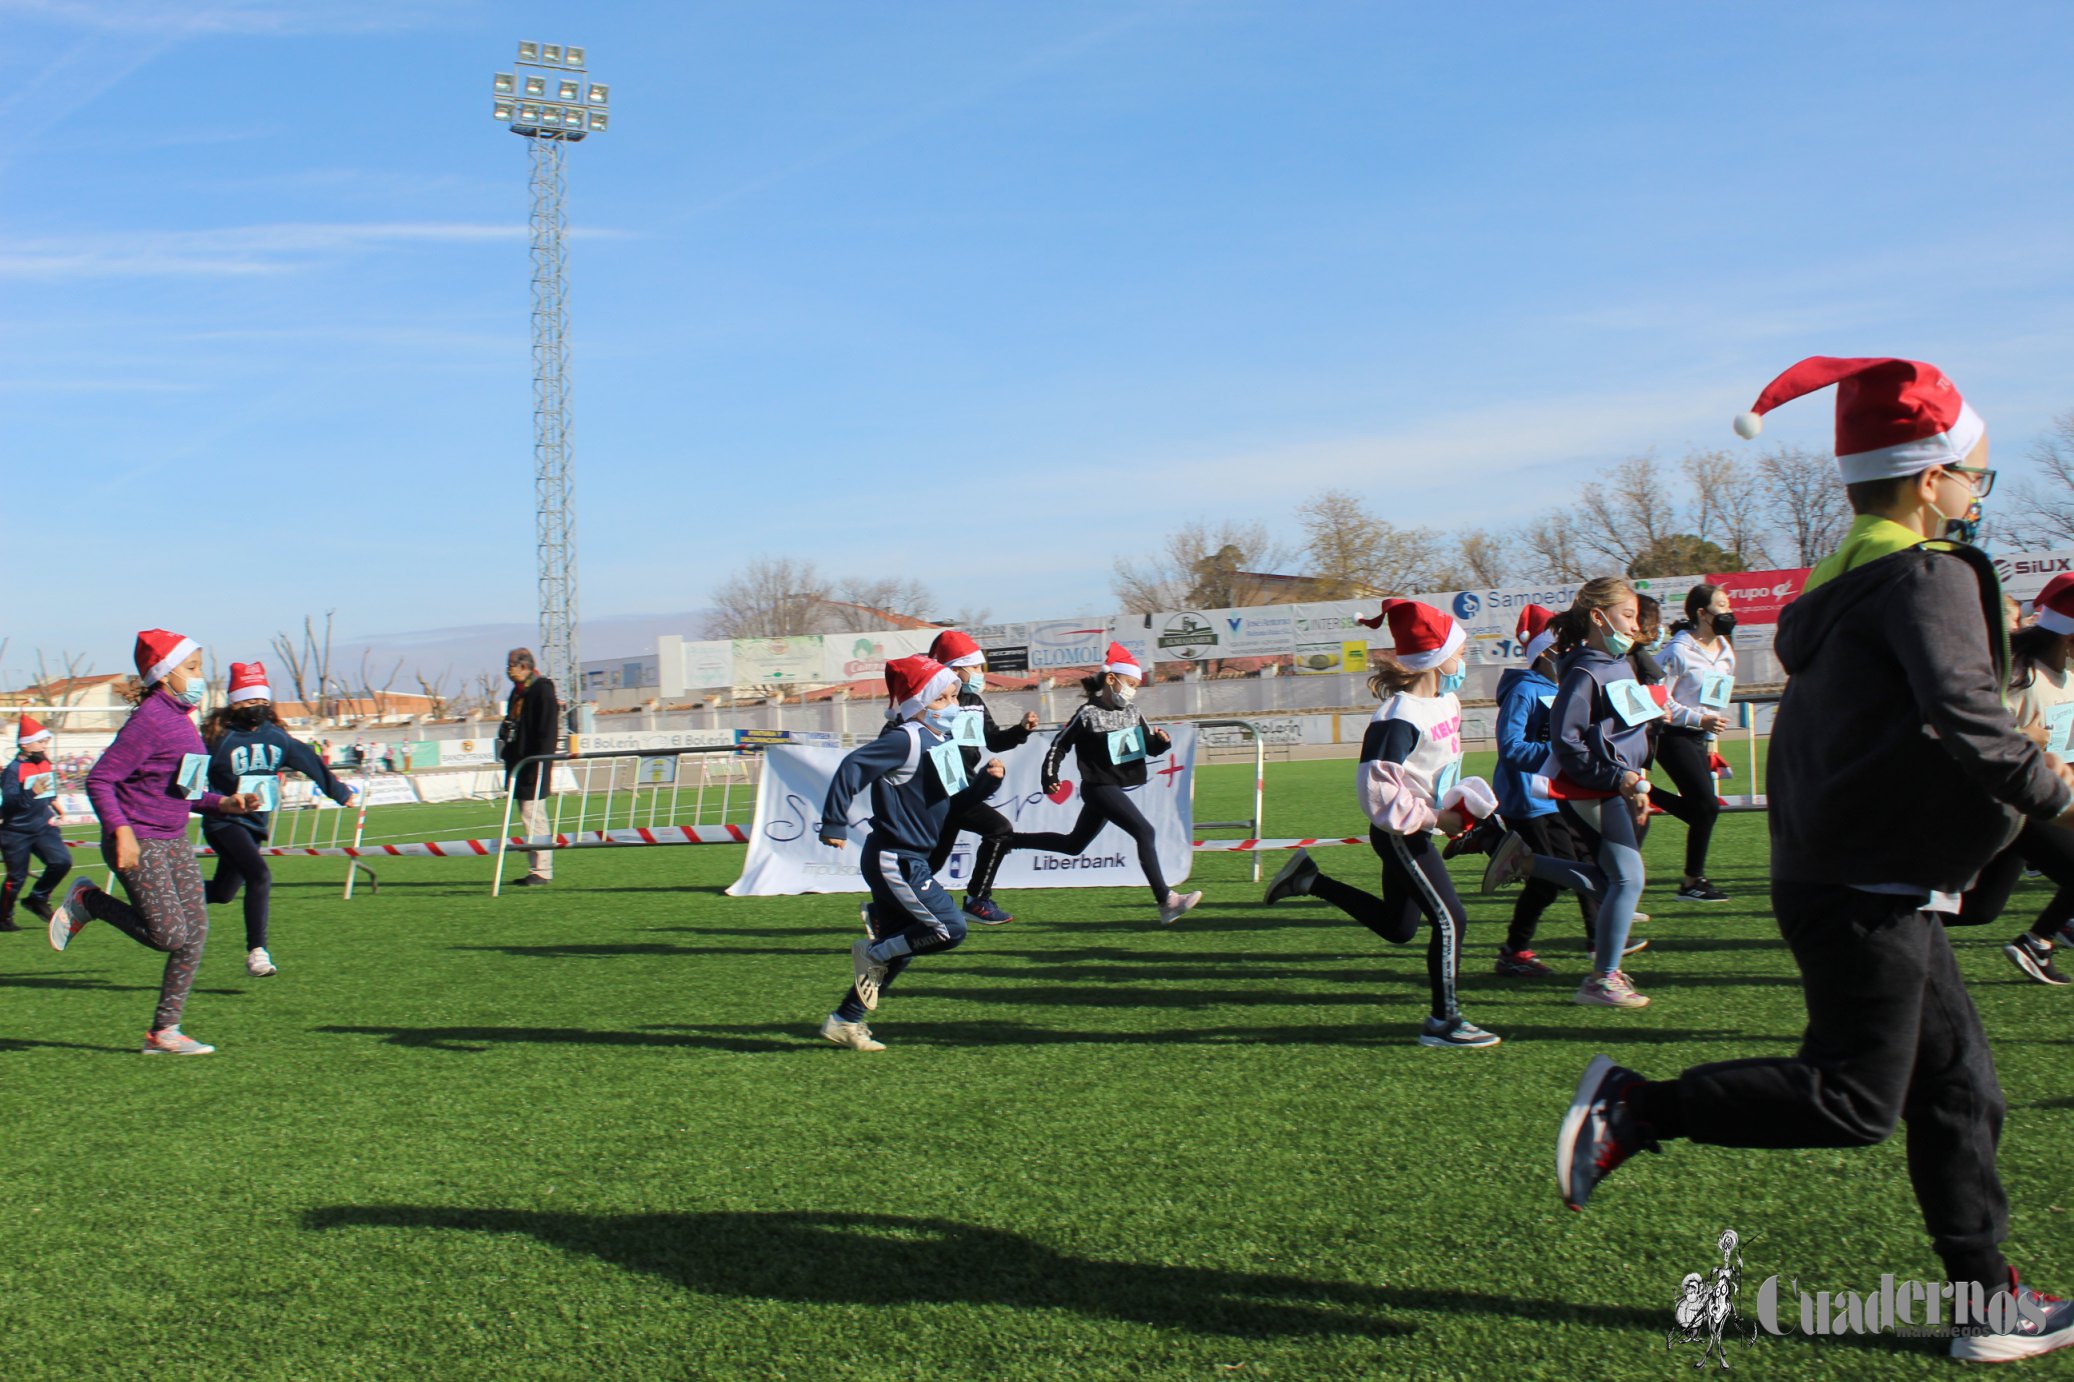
[[1100, 806], [993, 829], [1684, 756], [2047, 848], [1415, 884], [1553, 836], [238, 861]]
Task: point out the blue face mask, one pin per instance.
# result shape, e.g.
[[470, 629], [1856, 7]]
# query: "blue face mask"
[[976, 683], [193, 694], [939, 719], [1658, 641], [1618, 643], [1451, 682]]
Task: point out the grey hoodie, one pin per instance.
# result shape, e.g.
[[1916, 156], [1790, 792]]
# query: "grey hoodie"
[[1894, 759]]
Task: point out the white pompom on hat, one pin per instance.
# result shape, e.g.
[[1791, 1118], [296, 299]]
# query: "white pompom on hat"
[[1893, 417], [1421, 636]]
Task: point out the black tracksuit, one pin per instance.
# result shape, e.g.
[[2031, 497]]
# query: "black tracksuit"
[[1105, 785], [973, 814]]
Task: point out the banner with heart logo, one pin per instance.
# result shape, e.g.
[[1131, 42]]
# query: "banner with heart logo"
[[786, 855]]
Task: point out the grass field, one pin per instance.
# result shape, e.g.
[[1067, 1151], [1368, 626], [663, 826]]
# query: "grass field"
[[589, 1131]]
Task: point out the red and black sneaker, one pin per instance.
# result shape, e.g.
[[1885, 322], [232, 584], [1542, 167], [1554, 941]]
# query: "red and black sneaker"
[[1600, 1131], [2043, 1323], [1481, 838]]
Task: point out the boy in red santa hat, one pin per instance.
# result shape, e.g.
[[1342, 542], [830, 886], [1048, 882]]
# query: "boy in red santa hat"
[[29, 821], [956, 650], [916, 776], [1874, 833]]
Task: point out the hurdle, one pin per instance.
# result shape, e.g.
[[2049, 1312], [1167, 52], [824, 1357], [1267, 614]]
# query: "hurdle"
[[1251, 827], [640, 767]]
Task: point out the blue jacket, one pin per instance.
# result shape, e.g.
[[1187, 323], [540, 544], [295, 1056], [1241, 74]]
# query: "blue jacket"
[[908, 805], [21, 811], [263, 752], [1522, 742]]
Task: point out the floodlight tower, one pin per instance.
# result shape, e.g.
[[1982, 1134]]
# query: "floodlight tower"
[[551, 100]]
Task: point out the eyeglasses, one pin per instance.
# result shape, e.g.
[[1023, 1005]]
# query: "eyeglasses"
[[1981, 479]]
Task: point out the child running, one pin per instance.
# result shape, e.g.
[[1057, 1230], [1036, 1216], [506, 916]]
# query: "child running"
[[958, 652], [917, 777], [1411, 763], [1698, 658], [1113, 742], [1599, 733], [247, 750], [138, 788], [29, 822]]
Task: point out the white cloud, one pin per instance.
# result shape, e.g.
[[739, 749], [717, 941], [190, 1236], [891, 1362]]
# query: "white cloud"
[[227, 252], [283, 17]]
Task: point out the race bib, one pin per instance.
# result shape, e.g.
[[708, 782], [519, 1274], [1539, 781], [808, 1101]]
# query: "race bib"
[[1127, 745], [950, 766], [1633, 703], [193, 777], [969, 729], [2059, 729], [1445, 782], [1717, 689], [44, 786], [266, 787]]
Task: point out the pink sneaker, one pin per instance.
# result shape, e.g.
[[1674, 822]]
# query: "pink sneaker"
[[171, 1041], [1613, 990], [69, 916]]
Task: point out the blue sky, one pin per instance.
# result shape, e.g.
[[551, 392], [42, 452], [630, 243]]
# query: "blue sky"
[[984, 293]]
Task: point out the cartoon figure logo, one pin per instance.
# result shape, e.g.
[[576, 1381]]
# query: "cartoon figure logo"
[[1706, 1311]]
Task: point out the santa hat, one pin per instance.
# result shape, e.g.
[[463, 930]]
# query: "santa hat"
[[30, 731], [159, 652], [1534, 631], [913, 682], [955, 649], [2055, 604], [248, 682], [1119, 660], [1893, 417], [1421, 636]]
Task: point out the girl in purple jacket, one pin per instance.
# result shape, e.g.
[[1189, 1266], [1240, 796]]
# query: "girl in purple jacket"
[[140, 793]]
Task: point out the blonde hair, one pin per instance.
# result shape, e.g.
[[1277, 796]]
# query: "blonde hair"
[[1391, 677], [1574, 625]]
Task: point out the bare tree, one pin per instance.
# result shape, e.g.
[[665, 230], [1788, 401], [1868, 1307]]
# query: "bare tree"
[[2043, 510], [771, 597], [433, 689], [377, 696], [1550, 548], [1808, 509], [63, 688], [1484, 557], [1729, 506], [308, 664], [1626, 512], [1202, 567], [1352, 550], [856, 604]]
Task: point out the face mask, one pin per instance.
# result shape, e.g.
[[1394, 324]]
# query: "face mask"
[[1656, 642], [940, 718], [1618, 643], [1964, 528], [1451, 682], [1125, 693], [34, 758], [976, 683], [1725, 623], [193, 693]]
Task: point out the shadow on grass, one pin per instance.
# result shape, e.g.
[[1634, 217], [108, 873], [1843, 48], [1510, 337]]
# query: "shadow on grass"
[[1008, 1032], [787, 1256], [52, 981], [479, 1039], [14, 1044], [1129, 996], [614, 949]]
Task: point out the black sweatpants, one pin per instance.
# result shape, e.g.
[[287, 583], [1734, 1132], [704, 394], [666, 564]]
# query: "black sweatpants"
[[1415, 885], [2047, 848], [18, 847], [1551, 835], [1892, 1037], [1684, 756], [238, 861], [976, 818], [1100, 806]]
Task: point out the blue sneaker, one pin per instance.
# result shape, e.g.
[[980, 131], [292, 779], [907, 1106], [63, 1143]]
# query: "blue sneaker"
[[983, 911]]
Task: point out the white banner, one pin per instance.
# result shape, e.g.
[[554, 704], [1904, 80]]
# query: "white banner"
[[709, 664], [863, 656], [1056, 643], [786, 855], [634, 741], [2024, 574]]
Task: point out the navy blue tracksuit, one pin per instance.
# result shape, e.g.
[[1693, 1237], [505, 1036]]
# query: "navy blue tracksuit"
[[246, 753], [27, 830]]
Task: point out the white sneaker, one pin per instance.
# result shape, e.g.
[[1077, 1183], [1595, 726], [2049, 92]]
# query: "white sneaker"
[[173, 1042], [68, 916], [1511, 861], [854, 1035], [866, 973], [258, 963], [2044, 1323], [1176, 904]]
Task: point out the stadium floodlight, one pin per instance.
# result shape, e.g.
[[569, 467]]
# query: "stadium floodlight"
[[552, 126]]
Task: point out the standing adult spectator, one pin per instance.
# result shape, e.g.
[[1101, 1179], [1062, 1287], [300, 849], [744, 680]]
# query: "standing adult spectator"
[[530, 720]]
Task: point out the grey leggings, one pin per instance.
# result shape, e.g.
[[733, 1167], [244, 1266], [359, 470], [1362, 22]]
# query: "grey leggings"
[[165, 912], [1607, 829]]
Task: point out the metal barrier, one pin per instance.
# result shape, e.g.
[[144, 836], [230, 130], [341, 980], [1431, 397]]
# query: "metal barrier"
[[300, 808], [635, 761], [1252, 827]]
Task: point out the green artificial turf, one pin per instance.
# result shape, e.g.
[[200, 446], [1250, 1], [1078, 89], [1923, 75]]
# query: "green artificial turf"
[[589, 1131]]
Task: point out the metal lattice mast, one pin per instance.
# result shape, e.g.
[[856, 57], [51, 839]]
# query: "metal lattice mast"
[[552, 102]]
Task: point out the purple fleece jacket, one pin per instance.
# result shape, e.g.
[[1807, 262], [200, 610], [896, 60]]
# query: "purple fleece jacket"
[[132, 783]]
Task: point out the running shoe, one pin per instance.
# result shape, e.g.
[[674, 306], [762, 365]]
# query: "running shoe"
[[1519, 964], [1700, 890], [1599, 1131], [7, 923], [2034, 957], [867, 974], [864, 914], [1454, 1031], [1613, 990], [1171, 910], [258, 963], [1294, 880], [1511, 862], [69, 916], [531, 880], [986, 912], [2043, 1323], [37, 905], [854, 1035], [171, 1041], [1641, 917], [1482, 838]]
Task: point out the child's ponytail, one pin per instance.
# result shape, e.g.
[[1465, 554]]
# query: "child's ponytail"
[[1574, 625]]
